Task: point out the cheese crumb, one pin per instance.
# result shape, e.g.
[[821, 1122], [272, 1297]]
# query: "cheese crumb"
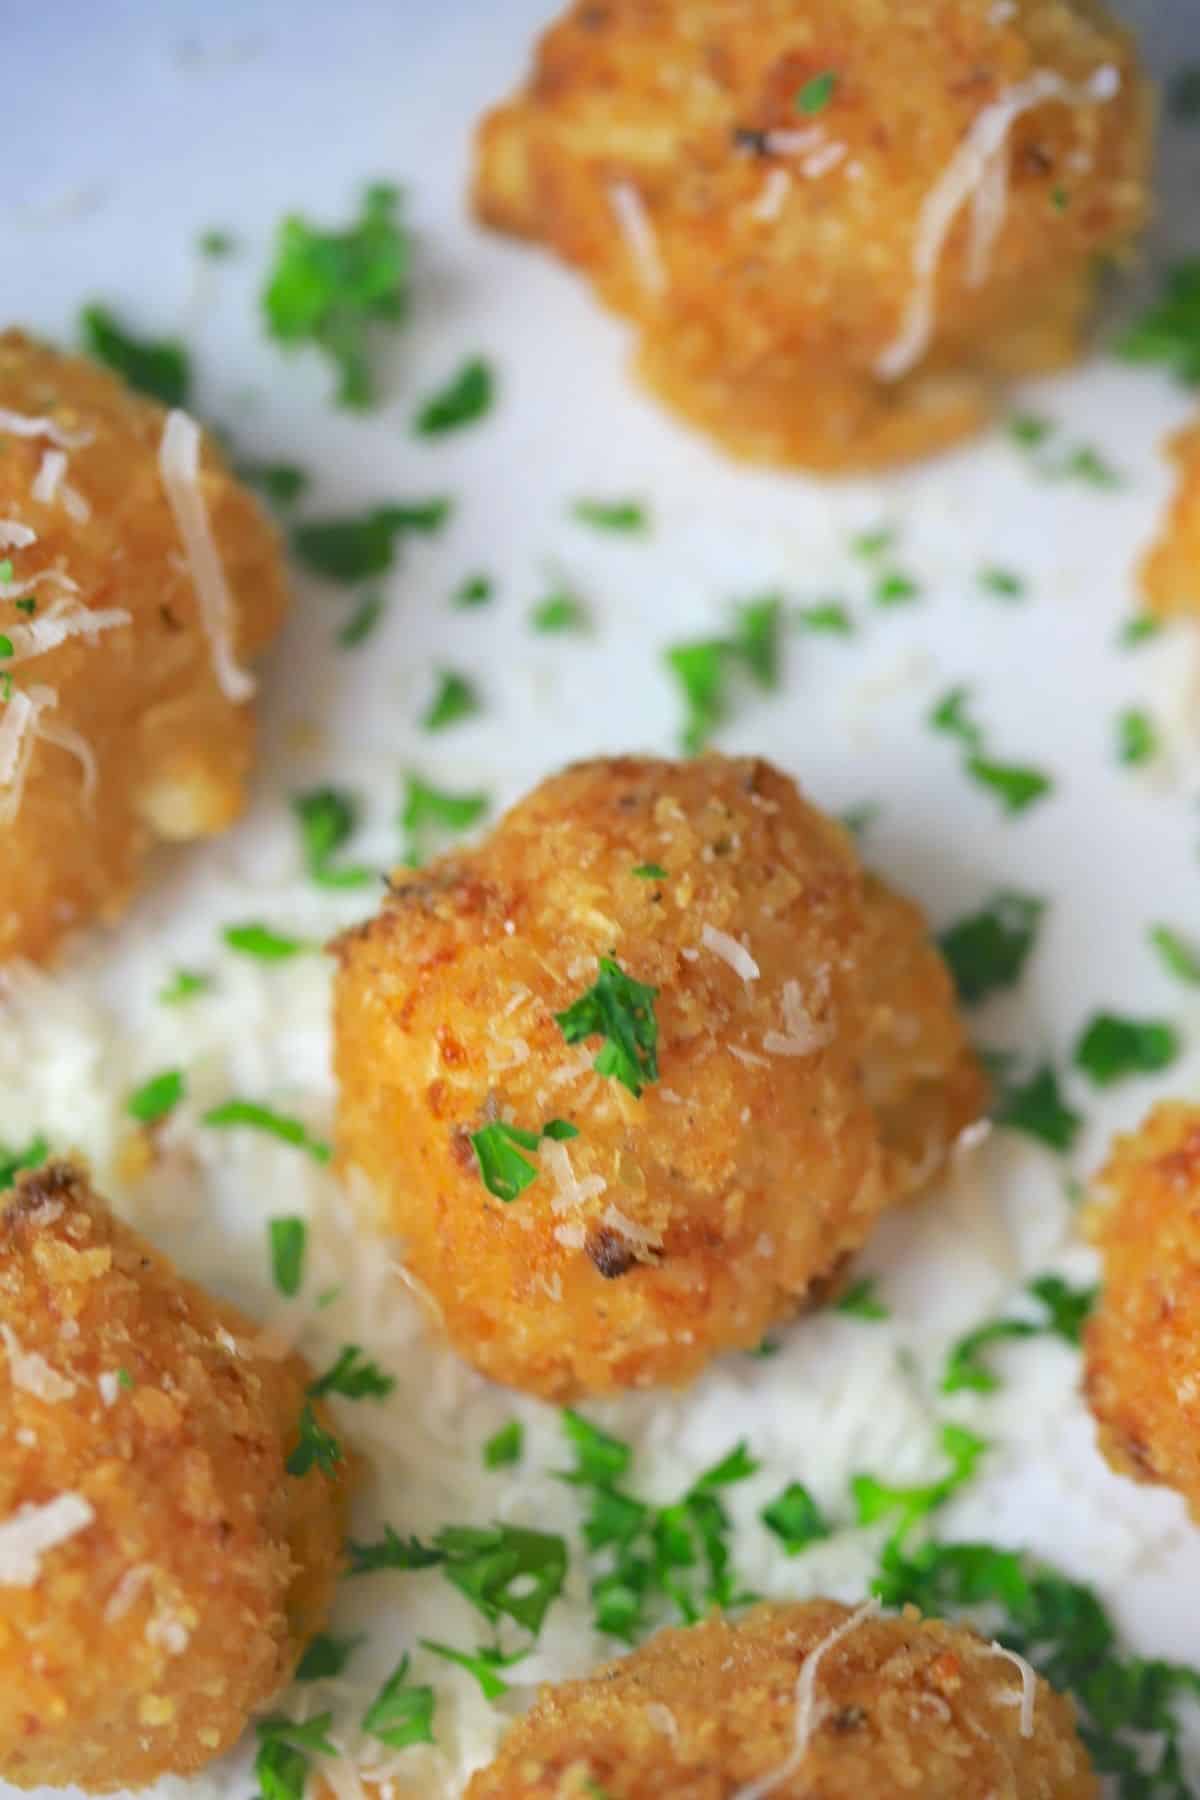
[[32, 1531]]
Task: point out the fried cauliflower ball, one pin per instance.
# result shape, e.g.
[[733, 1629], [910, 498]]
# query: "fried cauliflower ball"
[[160, 1571], [795, 1702], [1142, 1347], [696, 931], [1170, 570], [138, 577], [839, 227]]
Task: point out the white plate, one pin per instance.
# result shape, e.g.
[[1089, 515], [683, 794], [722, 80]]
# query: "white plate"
[[128, 131]]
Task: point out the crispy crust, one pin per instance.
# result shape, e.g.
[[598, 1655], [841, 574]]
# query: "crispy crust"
[[907, 1708], [173, 754], [150, 1636], [727, 1195], [771, 314]]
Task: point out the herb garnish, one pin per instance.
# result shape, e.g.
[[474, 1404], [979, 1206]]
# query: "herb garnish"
[[160, 369], [612, 515], [326, 1657], [1015, 786], [400, 1714], [281, 1766], [702, 668], [1169, 331], [796, 1519], [1003, 583], [353, 1376], [560, 612], [354, 549], [150, 1103], [1037, 1108], [328, 288], [875, 1500], [816, 94], [987, 950], [428, 809], [287, 1238], [316, 1447], [454, 699], [830, 616], [473, 590], [327, 818], [281, 483], [263, 942], [1112, 1047], [465, 398], [482, 1665], [504, 1450], [254, 1116], [1179, 957], [362, 622], [13, 1162], [859, 1301], [1137, 739], [621, 1010], [1065, 1310]]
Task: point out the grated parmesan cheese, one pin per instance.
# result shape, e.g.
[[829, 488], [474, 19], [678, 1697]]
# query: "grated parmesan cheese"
[[629, 210], [15, 536], [977, 172], [730, 951], [641, 1239], [801, 1034], [572, 1194], [179, 467], [806, 1704], [109, 1384], [1028, 1695], [823, 161], [26, 425], [773, 198], [32, 1531], [67, 620], [32, 1373], [51, 470]]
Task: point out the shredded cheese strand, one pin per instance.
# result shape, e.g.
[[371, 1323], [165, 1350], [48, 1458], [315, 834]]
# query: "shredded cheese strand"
[[179, 466], [42, 635], [33, 1530], [1028, 1698], [630, 212], [15, 536], [806, 1704], [978, 169], [26, 425], [51, 470]]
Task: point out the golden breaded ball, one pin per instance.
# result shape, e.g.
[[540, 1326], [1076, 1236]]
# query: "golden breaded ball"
[[810, 1070], [796, 1702], [124, 704], [1170, 570], [160, 1572], [1142, 1346], [839, 227]]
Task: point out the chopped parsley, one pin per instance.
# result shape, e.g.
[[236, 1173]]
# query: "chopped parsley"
[[353, 1376], [1085, 463], [327, 818], [1111, 1048], [560, 612], [263, 942], [1183, 94], [1064, 1312], [894, 588], [796, 1519], [950, 714], [325, 1657], [13, 1162], [612, 515], [287, 1240], [875, 1500], [816, 94], [505, 1172], [1003, 583], [454, 699], [330, 288], [1037, 1108], [860, 1302], [1169, 331], [355, 549], [281, 483], [160, 369], [428, 809], [391, 1552], [216, 244], [253, 1116], [466, 397], [1138, 630], [482, 1665], [987, 950], [1137, 739], [505, 1570], [1128, 1723], [873, 543], [702, 668], [650, 872], [316, 1448], [362, 622], [1179, 957], [281, 1766], [829, 616], [401, 1714], [1014, 785], [620, 1010], [473, 590], [150, 1103], [505, 1449], [756, 641]]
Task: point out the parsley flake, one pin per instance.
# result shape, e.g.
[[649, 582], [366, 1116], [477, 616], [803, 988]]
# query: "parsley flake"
[[987, 951], [505, 1172], [816, 94], [1179, 957], [216, 244], [353, 1376], [1037, 1108], [621, 1010], [428, 810], [150, 1103], [505, 1570], [1111, 1048], [1065, 1310], [14, 1162], [875, 1500], [281, 1766], [287, 1239], [465, 398], [795, 1519], [401, 1714], [316, 1448], [391, 1552], [859, 1301], [894, 588], [354, 549], [327, 818], [160, 369], [325, 1657], [473, 590], [829, 616], [1137, 738], [454, 699], [612, 515], [1003, 583], [362, 622], [650, 872], [279, 482], [1169, 331], [329, 288], [1183, 94], [1138, 630], [505, 1449], [1016, 787], [482, 1665], [263, 942], [561, 612], [252, 1115]]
